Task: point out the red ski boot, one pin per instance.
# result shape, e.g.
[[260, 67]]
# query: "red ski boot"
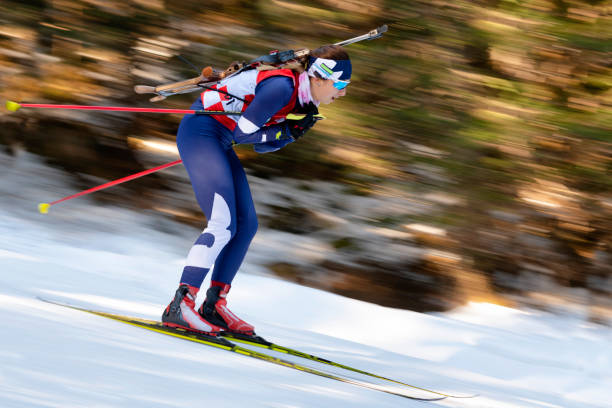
[[181, 313], [214, 309]]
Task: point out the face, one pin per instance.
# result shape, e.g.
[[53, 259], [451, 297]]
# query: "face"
[[323, 90]]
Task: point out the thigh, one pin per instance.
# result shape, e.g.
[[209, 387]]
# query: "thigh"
[[209, 169], [245, 208]]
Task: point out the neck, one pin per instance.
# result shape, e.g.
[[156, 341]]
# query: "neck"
[[304, 91]]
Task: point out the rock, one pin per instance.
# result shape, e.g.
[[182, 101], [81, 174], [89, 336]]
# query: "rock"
[[506, 216], [296, 249], [428, 173], [425, 151], [443, 198], [430, 236]]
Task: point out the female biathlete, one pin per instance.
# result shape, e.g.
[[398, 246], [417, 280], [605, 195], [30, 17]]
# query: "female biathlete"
[[219, 181]]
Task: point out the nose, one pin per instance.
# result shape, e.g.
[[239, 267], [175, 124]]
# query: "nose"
[[342, 92]]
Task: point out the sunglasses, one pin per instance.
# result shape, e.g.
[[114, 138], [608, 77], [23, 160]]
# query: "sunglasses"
[[340, 85]]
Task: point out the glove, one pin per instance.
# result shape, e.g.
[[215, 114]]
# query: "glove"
[[297, 127]]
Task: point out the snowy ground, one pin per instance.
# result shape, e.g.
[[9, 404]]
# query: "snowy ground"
[[121, 261]]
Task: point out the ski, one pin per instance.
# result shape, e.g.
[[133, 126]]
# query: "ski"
[[263, 343], [223, 344]]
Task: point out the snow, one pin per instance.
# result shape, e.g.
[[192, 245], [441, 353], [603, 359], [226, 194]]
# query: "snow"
[[126, 262]]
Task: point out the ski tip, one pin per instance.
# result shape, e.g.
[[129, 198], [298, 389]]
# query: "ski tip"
[[12, 106], [43, 208]]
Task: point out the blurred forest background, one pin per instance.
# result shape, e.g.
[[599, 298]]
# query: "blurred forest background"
[[470, 159]]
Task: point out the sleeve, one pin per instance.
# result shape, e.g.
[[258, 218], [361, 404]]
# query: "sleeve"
[[271, 146], [271, 95]]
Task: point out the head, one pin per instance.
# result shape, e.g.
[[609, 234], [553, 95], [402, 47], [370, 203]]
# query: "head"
[[329, 69]]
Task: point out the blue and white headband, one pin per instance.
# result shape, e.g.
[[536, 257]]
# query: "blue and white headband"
[[336, 70]]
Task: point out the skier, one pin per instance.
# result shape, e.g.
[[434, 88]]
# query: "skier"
[[219, 181]]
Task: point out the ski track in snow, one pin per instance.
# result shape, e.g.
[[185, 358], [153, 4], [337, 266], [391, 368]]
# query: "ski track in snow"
[[119, 261]]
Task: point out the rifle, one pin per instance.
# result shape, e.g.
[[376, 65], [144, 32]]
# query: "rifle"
[[292, 59]]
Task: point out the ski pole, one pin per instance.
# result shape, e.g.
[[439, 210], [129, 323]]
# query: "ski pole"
[[14, 106], [43, 208]]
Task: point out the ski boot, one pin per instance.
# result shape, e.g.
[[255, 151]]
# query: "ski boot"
[[181, 313], [214, 309]]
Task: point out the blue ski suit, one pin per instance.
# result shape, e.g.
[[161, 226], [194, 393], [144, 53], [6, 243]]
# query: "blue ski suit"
[[218, 178]]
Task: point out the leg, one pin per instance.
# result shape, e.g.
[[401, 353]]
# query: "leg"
[[211, 177], [210, 173], [214, 309], [231, 257]]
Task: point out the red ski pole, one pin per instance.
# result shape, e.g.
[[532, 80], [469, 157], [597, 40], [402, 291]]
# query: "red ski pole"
[[14, 106], [44, 207]]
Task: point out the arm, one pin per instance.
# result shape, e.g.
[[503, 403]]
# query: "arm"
[[272, 146], [271, 95]]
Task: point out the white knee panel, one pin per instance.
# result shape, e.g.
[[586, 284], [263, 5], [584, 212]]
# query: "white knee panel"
[[218, 226]]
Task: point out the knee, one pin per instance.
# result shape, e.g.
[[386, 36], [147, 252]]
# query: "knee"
[[221, 234], [233, 229], [221, 223], [247, 225]]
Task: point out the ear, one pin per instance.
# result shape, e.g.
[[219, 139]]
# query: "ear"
[[316, 81]]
